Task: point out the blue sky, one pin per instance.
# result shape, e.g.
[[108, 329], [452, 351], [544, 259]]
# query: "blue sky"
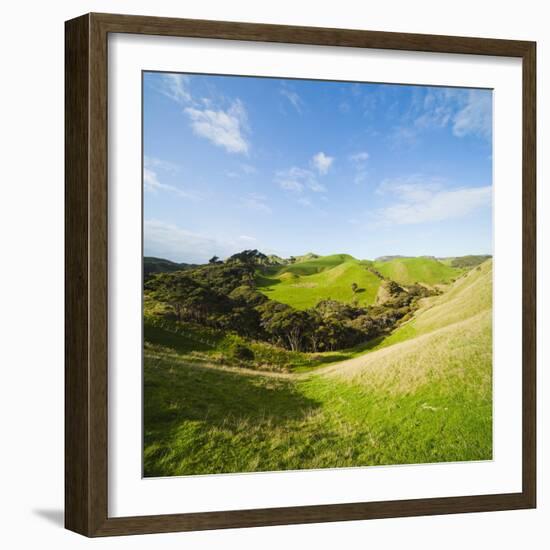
[[295, 166]]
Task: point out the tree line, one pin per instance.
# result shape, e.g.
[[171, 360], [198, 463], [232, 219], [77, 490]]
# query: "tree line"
[[223, 295]]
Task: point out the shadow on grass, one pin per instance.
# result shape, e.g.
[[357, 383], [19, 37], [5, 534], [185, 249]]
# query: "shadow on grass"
[[176, 342], [191, 392], [185, 404]]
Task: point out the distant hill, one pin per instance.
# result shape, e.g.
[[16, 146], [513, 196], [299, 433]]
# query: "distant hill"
[[389, 258], [466, 261], [444, 336], [304, 258], [303, 284], [424, 269], [159, 265]]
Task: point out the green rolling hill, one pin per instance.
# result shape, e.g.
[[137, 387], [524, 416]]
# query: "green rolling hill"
[[303, 284], [422, 394], [407, 271]]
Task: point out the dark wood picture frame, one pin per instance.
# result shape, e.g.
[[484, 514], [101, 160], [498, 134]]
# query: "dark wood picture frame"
[[86, 284]]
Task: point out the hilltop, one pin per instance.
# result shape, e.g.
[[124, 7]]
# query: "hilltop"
[[159, 265], [461, 316], [423, 269], [304, 284]]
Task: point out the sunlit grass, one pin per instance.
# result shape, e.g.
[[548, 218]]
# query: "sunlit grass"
[[422, 394]]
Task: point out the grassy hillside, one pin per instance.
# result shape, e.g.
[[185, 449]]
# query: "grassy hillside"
[[303, 285], [407, 271], [468, 296], [421, 395]]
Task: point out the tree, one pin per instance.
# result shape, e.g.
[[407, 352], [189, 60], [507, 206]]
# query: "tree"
[[249, 257], [214, 260], [173, 289], [354, 287], [289, 327]]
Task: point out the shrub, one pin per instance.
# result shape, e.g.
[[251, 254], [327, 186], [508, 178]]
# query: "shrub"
[[242, 353]]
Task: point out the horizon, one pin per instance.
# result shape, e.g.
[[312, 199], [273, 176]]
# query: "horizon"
[[284, 165], [377, 258]]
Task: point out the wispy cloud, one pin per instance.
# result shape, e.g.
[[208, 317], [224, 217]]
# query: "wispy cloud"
[[153, 162], [359, 161], [152, 183], [293, 97], [476, 117], [169, 241], [225, 126], [176, 87], [297, 180], [361, 156], [465, 112], [248, 238], [241, 170], [256, 202], [421, 200], [304, 201], [403, 135], [248, 168], [322, 163]]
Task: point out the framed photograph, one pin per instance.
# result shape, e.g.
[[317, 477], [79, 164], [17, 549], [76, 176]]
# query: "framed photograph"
[[300, 275]]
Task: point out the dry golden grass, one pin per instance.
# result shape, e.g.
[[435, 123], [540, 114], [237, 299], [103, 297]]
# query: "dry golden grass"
[[461, 351], [449, 340]]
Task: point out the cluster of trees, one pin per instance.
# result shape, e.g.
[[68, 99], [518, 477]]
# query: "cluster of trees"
[[222, 295]]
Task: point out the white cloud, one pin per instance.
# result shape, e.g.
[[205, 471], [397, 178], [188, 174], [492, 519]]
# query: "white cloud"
[[361, 156], [153, 162], [420, 200], [322, 162], [152, 183], [257, 202], [248, 169], [437, 108], [223, 128], [465, 111], [304, 201], [476, 117], [175, 86], [294, 99], [298, 179], [165, 240], [168, 241], [248, 238], [241, 170], [403, 136], [359, 161]]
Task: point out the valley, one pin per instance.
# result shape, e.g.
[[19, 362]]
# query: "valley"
[[415, 386]]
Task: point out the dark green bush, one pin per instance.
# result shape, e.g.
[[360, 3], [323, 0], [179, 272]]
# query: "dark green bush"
[[242, 353]]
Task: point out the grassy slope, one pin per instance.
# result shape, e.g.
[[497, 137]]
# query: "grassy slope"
[[407, 271], [303, 285], [426, 399]]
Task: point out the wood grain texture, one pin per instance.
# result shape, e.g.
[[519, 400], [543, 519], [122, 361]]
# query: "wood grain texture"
[[77, 459], [529, 275], [86, 257]]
